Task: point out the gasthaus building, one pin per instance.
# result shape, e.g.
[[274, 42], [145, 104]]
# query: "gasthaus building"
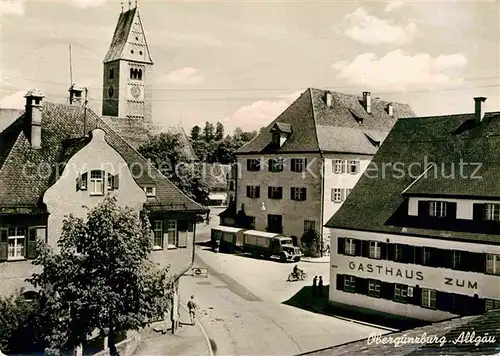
[[419, 235]]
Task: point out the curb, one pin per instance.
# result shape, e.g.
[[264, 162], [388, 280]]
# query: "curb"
[[312, 261], [209, 345]]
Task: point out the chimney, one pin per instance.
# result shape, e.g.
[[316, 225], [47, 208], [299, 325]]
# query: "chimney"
[[479, 111], [328, 99], [367, 101], [75, 95], [34, 116], [390, 109]]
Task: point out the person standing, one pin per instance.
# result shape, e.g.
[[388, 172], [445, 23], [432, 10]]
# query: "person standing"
[[320, 285], [192, 307], [315, 285]]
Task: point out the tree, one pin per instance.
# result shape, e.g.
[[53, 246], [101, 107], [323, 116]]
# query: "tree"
[[208, 132], [164, 153], [195, 133], [311, 243], [109, 284], [219, 131]]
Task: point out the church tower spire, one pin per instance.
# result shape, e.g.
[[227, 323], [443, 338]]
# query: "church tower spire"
[[128, 69]]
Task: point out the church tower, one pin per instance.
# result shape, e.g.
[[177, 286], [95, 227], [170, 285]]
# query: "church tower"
[[127, 77]]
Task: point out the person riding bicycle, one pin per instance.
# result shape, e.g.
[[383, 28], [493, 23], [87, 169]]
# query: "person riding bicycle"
[[192, 309]]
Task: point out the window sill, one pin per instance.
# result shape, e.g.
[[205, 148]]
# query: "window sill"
[[400, 301], [171, 247], [426, 307], [97, 194], [14, 259], [157, 248]]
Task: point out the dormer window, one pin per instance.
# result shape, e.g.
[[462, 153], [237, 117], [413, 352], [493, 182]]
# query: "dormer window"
[[281, 132], [437, 209], [150, 191]]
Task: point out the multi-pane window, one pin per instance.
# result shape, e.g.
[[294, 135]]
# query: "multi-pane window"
[[398, 253], [150, 191], [16, 241], [374, 288], [172, 233], [350, 284], [400, 293], [457, 257], [428, 298], [309, 225], [253, 165], [298, 193], [275, 192], [490, 304], [276, 165], [492, 212], [437, 209], [349, 247], [493, 264], [96, 182], [158, 234], [337, 195], [253, 191], [338, 166], [374, 251], [426, 255], [298, 164], [352, 166]]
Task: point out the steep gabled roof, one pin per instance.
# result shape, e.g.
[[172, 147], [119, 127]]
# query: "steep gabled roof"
[[342, 127], [487, 325], [124, 39], [414, 143], [63, 130]]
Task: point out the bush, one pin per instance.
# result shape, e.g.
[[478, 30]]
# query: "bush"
[[311, 243], [19, 325]]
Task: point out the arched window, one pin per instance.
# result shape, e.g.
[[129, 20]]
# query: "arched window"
[[111, 73], [140, 74]]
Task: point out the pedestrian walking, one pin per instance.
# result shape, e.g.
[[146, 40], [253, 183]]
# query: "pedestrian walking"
[[192, 307], [315, 285], [320, 285]]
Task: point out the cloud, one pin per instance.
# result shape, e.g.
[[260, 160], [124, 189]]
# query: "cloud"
[[14, 101], [259, 113], [392, 5], [15, 7], [399, 71], [87, 3], [369, 29], [186, 76]]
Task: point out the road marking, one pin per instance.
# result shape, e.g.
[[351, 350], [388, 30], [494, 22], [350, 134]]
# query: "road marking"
[[202, 330]]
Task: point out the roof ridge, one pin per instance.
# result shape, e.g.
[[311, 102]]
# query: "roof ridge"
[[137, 152], [446, 115]]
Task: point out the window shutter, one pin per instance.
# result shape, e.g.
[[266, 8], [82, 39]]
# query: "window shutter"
[[292, 165], [451, 210], [340, 281], [357, 247], [342, 194], [31, 243], [386, 290], [270, 165], [84, 183], [333, 194], [305, 165], [78, 183], [361, 285], [269, 192], [419, 251], [257, 192], [357, 167], [340, 245], [292, 196], [304, 193], [390, 252], [248, 165], [423, 208], [383, 251], [116, 181], [3, 244], [344, 166], [478, 211], [417, 295], [365, 248], [248, 191], [280, 192]]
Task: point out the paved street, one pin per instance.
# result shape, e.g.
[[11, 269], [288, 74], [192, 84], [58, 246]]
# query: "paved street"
[[242, 311]]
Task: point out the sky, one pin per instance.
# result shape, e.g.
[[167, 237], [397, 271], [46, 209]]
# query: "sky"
[[243, 62]]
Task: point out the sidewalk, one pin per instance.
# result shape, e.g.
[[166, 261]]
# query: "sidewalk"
[[324, 259], [188, 340]]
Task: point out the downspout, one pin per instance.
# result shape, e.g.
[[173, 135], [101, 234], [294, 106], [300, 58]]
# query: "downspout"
[[323, 164]]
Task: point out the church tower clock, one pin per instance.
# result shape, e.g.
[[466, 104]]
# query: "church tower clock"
[[128, 69]]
